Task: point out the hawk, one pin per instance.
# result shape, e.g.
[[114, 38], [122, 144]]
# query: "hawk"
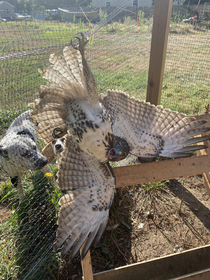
[[99, 129]]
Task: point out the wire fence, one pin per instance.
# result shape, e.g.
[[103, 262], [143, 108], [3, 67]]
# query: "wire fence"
[[118, 54]]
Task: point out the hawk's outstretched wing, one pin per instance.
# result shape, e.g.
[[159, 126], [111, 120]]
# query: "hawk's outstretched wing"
[[69, 78], [151, 130], [66, 82], [84, 211]]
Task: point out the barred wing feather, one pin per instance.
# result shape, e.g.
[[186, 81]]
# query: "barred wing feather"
[[65, 83], [84, 211]]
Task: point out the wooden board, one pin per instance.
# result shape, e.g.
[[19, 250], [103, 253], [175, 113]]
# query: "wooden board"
[[162, 170], [206, 176], [87, 267], [201, 275], [169, 267]]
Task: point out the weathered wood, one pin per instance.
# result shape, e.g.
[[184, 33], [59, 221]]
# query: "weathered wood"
[[86, 266], [206, 175], [161, 22], [162, 170], [169, 267], [201, 275]]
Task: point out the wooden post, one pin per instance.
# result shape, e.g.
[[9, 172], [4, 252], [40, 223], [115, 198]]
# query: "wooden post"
[[86, 266], [161, 22], [206, 175]]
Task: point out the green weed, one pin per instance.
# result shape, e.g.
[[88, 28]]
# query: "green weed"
[[30, 230]]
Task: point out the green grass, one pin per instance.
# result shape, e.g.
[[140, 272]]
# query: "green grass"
[[28, 234], [127, 70], [134, 84]]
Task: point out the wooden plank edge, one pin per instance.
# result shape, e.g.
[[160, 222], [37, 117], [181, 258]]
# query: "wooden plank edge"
[[167, 267], [201, 275], [206, 175]]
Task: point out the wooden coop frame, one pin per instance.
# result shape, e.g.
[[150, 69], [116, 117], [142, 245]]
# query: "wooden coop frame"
[[192, 264]]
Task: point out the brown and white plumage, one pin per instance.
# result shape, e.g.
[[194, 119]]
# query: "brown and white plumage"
[[70, 102], [150, 130], [100, 129], [84, 212]]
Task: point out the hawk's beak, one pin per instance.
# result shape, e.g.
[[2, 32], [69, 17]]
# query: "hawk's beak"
[[111, 153]]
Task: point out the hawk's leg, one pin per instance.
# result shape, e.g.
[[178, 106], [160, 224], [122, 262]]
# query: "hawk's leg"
[[81, 45]]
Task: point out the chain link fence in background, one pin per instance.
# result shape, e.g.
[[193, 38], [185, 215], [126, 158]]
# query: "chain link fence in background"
[[118, 54]]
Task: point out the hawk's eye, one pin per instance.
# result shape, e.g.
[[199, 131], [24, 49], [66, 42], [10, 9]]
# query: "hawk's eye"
[[118, 146]]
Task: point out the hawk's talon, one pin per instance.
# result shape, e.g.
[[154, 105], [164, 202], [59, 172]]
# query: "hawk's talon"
[[82, 42]]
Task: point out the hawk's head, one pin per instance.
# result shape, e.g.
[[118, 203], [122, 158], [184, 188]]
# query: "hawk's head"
[[119, 149]]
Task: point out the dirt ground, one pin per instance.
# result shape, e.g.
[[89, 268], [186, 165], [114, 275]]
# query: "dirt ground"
[[150, 221]]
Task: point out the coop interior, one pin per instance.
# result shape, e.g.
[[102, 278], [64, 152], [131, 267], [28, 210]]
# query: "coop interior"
[[147, 220]]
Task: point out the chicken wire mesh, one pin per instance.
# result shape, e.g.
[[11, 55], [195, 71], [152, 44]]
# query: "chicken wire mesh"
[[118, 54]]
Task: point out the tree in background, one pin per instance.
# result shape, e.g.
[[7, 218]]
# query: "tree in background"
[[41, 9]]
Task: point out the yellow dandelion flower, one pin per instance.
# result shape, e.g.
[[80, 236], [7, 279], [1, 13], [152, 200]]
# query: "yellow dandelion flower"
[[48, 175]]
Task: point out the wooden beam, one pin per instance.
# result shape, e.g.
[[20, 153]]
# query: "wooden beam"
[[162, 170], [161, 22], [206, 176], [201, 275], [168, 267], [86, 266]]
